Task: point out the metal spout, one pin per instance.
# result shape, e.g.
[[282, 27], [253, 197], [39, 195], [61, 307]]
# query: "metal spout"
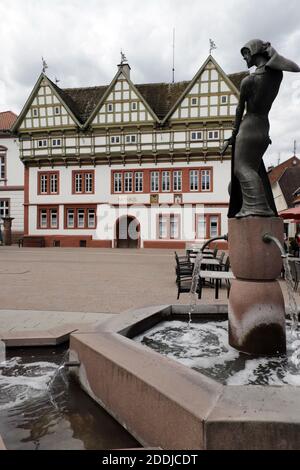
[[222, 237], [71, 364], [268, 238]]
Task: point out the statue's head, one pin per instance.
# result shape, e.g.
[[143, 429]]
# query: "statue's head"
[[254, 48]]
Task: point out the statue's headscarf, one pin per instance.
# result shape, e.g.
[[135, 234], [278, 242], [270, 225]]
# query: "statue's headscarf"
[[276, 61]]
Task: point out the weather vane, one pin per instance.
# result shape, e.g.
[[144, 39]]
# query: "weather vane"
[[45, 66], [123, 57], [212, 46]]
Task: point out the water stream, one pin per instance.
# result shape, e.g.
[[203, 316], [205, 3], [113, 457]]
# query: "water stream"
[[195, 278]]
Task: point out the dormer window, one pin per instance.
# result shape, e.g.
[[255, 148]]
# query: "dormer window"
[[133, 106], [115, 139], [224, 99], [35, 112], [110, 107], [196, 135], [42, 143], [194, 101]]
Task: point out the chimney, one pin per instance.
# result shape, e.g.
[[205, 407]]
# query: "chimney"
[[125, 69]]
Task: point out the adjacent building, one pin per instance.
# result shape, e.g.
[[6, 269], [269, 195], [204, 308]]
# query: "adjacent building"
[[11, 176], [128, 165]]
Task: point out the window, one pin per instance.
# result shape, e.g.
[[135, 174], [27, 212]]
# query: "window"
[[130, 139], [213, 226], [35, 112], [138, 181], [196, 135], [201, 227], [110, 108], [177, 180], [42, 143], [48, 182], [165, 181], [154, 181], [83, 182], [80, 217], [207, 225], [224, 99], [194, 101], [115, 139], [4, 208], [57, 110], [48, 217], [194, 180], [56, 142], [117, 182], [205, 180], [128, 182], [133, 106], [213, 135], [169, 226], [2, 163]]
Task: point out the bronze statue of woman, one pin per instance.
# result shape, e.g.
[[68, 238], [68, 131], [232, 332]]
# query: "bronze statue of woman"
[[250, 193]]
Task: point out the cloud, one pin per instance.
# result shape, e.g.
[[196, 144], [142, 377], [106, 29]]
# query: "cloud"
[[81, 43]]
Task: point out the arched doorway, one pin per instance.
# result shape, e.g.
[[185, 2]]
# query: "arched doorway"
[[127, 232]]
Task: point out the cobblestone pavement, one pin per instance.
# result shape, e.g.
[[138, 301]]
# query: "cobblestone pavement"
[[87, 281]]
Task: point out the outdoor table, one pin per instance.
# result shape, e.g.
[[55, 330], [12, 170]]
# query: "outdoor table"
[[218, 276]]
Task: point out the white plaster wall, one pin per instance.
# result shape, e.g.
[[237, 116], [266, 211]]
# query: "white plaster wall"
[[15, 168], [16, 202]]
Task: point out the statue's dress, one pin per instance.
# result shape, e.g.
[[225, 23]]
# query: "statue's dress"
[[251, 193]]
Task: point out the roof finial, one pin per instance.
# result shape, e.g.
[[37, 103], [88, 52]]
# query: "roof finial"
[[212, 46], [173, 67], [57, 80], [123, 58], [45, 66], [295, 147]]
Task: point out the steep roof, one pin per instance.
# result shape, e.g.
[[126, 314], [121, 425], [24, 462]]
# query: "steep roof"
[[160, 96], [289, 183], [7, 119], [276, 172]]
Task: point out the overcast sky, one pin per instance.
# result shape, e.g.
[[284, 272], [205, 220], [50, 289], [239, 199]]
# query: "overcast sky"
[[81, 42]]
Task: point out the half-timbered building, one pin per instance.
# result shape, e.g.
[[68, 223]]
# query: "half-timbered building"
[[139, 159]]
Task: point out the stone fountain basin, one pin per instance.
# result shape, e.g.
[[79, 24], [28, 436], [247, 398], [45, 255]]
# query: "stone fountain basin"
[[163, 403]]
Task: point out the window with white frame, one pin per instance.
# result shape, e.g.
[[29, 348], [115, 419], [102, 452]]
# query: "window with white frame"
[[133, 105], [43, 218], [56, 142], [78, 183], [91, 218], [201, 227], [213, 226], [3, 166], [194, 180], [110, 107], [70, 218], [174, 226], [88, 182], [53, 218], [83, 182], [42, 143], [57, 110], [177, 180], [162, 226], [194, 101], [224, 99], [154, 178], [130, 139], [4, 208], [115, 139], [80, 218], [54, 183], [128, 182], [138, 181], [205, 180], [117, 182], [196, 135], [213, 135], [35, 112], [166, 181], [44, 184]]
